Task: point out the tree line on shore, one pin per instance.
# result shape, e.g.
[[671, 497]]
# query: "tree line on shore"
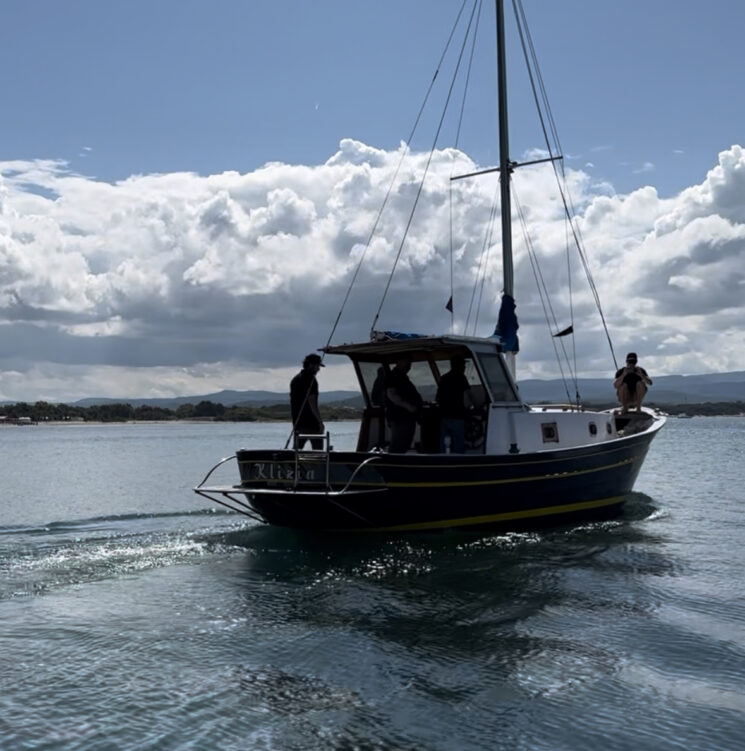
[[125, 412], [212, 411]]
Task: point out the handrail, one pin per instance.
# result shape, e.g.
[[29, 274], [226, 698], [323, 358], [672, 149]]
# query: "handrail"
[[221, 462], [324, 451], [354, 474], [244, 508], [563, 406]]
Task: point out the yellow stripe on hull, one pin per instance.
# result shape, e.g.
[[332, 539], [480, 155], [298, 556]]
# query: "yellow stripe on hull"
[[473, 521]]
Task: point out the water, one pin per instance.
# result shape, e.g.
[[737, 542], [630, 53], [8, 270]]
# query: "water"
[[134, 616]]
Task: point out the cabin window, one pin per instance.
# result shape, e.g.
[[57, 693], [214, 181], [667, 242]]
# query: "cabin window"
[[496, 378], [550, 432], [422, 377], [593, 429], [373, 376], [477, 393], [472, 373]]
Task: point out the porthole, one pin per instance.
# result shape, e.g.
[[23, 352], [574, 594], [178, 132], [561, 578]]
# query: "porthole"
[[550, 431], [593, 429]]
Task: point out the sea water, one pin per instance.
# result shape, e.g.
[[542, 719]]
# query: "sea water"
[[134, 615]]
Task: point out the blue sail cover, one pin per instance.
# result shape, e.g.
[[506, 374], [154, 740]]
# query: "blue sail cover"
[[380, 336], [507, 325]]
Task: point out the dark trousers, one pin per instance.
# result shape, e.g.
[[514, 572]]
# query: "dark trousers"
[[455, 429], [402, 434]]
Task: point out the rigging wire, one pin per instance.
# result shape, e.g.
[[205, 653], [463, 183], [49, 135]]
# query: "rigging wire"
[[490, 241], [451, 301], [395, 174], [569, 208], [456, 145], [571, 309], [424, 175], [542, 291], [483, 257], [371, 235]]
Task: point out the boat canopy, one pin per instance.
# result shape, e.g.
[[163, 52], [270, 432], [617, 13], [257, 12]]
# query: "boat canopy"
[[384, 348], [429, 354]]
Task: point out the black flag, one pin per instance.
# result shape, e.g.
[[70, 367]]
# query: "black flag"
[[568, 330], [449, 306]]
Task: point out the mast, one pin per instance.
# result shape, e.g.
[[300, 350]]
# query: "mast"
[[505, 166]]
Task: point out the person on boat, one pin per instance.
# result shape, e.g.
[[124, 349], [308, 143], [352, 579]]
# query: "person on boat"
[[402, 407], [631, 384], [306, 417], [377, 394], [453, 392]]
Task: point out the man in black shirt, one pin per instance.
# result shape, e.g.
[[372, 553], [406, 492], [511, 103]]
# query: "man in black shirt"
[[631, 384], [306, 418], [402, 405], [452, 392]]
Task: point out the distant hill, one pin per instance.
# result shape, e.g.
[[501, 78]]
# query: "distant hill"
[[227, 398], [674, 389]]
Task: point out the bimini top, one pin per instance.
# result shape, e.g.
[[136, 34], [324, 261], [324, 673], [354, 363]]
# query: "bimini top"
[[387, 345]]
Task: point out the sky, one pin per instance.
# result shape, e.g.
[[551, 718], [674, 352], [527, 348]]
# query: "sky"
[[186, 187]]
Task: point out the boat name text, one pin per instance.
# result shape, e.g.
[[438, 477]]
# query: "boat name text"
[[274, 471]]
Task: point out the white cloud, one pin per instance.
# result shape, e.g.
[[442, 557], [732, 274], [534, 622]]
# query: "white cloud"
[[179, 283]]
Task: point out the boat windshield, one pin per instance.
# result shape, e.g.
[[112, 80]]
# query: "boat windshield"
[[477, 392], [374, 376], [422, 377], [496, 378]]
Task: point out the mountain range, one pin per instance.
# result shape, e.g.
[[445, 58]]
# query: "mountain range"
[[673, 389]]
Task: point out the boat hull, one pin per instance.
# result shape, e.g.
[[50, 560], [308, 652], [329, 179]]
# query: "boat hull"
[[401, 492]]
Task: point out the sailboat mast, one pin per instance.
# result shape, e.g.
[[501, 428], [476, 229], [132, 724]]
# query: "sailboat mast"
[[505, 167]]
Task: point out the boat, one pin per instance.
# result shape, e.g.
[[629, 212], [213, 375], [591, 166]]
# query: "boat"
[[520, 465]]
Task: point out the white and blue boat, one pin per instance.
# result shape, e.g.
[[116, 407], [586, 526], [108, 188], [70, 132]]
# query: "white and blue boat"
[[521, 465]]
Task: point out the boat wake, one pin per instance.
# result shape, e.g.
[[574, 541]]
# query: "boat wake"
[[38, 559]]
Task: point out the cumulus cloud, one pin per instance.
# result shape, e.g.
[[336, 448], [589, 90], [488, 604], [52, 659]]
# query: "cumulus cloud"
[[180, 283]]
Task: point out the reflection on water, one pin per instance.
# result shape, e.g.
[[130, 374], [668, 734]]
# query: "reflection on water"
[[134, 618], [446, 555], [455, 593], [477, 633]]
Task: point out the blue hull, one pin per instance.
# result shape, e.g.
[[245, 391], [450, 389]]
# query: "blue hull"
[[399, 492]]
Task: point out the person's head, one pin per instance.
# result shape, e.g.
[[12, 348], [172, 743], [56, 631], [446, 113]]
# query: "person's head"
[[458, 364], [631, 359], [403, 364], [313, 362]]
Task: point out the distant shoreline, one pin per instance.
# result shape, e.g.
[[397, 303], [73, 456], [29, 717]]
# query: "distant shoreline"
[[114, 423], [44, 413]]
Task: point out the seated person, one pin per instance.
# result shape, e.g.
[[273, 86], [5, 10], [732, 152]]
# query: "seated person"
[[631, 384]]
